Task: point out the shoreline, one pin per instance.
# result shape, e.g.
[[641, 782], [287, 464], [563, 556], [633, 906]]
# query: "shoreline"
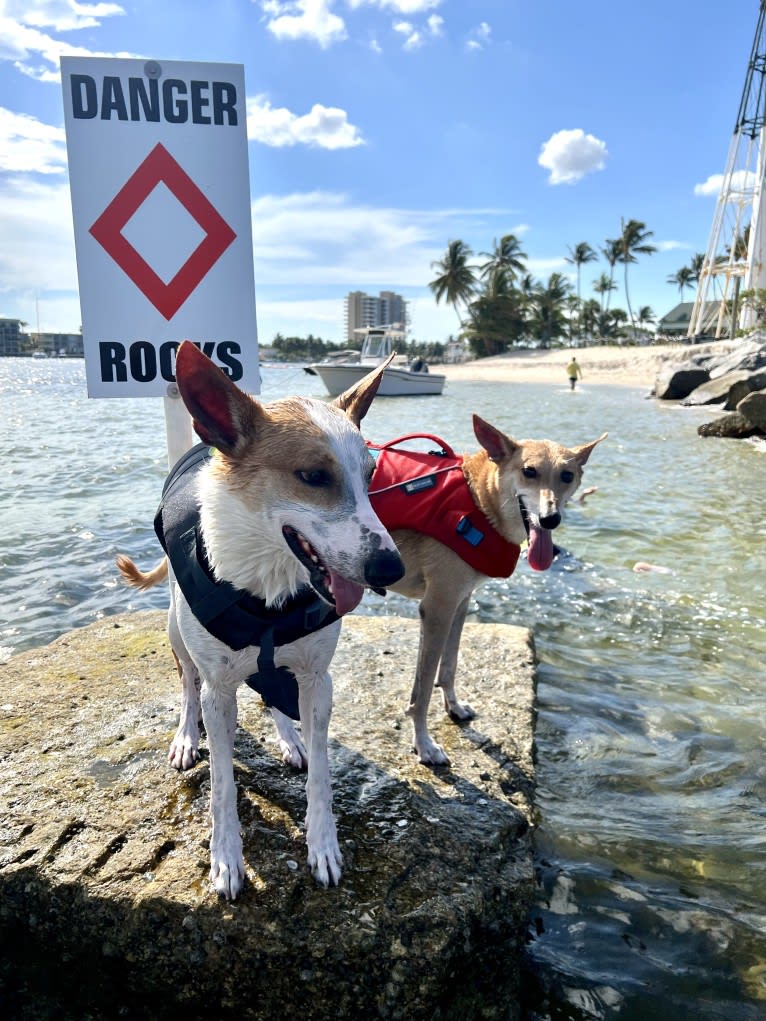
[[612, 365]]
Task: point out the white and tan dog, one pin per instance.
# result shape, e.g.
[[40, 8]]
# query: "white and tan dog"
[[510, 481], [284, 524]]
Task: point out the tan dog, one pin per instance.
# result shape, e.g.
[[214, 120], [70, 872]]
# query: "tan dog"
[[505, 476]]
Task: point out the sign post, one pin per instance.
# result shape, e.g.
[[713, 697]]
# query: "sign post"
[[160, 185]]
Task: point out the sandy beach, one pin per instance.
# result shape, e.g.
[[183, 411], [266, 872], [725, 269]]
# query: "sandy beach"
[[617, 366]]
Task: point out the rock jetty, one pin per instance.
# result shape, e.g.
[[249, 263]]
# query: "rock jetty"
[[733, 378], [105, 906]]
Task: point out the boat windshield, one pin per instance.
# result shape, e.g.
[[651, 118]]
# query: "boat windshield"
[[376, 346]]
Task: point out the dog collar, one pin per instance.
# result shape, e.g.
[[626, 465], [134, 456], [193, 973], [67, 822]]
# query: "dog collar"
[[233, 616]]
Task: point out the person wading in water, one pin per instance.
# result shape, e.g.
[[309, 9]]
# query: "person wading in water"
[[573, 371]]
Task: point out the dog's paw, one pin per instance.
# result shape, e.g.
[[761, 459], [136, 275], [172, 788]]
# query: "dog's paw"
[[227, 864], [293, 753], [431, 754], [326, 864], [183, 752], [324, 857], [459, 711], [227, 878], [288, 740]]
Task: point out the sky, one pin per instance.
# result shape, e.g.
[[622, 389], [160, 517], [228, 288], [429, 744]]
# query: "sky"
[[380, 130]]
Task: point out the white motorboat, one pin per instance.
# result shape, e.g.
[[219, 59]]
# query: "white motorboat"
[[400, 379]]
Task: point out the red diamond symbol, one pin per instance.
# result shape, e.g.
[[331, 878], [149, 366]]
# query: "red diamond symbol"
[[159, 166]]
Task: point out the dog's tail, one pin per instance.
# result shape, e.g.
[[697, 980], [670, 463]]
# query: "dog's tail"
[[139, 579]]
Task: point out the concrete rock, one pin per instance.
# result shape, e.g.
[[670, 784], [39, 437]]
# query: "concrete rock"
[[105, 906]]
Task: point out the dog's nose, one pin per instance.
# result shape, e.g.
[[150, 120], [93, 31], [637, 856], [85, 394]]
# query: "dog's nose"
[[383, 568], [551, 521]]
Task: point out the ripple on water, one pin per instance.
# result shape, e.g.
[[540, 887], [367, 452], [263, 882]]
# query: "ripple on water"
[[650, 746]]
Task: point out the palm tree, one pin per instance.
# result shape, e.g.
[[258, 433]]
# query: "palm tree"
[[604, 285], [506, 256], [683, 278], [645, 315], [495, 317], [611, 252], [578, 256], [740, 246], [548, 317], [589, 314], [696, 264], [633, 242], [457, 280]]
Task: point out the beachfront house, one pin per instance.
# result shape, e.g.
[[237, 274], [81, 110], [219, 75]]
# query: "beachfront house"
[[676, 322]]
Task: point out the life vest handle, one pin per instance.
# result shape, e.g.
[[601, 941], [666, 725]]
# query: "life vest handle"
[[449, 452]]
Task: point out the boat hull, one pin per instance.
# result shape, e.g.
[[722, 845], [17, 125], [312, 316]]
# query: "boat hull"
[[395, 382]]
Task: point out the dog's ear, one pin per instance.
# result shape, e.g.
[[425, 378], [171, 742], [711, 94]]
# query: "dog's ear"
[[221, 412], [583, 453], [496, 443], [357, 399]]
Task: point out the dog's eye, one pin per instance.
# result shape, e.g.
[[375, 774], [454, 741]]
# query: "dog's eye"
[[567, 476], [314, 477], [530, 472]]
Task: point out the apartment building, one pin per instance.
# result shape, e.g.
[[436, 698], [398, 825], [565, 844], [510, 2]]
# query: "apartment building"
[[12, 340], [387, 309]]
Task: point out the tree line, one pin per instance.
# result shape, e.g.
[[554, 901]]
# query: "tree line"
[[312, 349], [499, 304]]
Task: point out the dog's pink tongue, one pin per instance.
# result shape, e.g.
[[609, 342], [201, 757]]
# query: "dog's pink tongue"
[[347, 593], [540, 551]]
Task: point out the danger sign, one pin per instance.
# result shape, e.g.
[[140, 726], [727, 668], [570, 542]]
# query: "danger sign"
[[160, 188]]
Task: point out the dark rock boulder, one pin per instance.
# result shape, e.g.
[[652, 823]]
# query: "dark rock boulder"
[[106, 910], [752, 381], [714, 391], [733, 426], [676, 381], [753, 409]]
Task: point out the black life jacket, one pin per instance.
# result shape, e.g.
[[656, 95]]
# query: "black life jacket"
[[233, 616]]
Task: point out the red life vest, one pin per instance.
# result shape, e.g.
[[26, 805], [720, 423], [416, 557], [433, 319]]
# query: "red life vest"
[[428, 493]]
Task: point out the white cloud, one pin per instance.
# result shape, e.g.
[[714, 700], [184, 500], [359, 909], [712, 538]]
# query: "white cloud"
[[544, 267], [741, 181], [325, 127], [398, 6], [570, 155], [479, 37], [671, 246], [413, 39], [35, 53], [36, 225], [304, 19], [327, 238], [28, 145], [60, 15], [435, 24]]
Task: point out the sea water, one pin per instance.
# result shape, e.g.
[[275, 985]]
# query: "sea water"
[[651, 747]]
